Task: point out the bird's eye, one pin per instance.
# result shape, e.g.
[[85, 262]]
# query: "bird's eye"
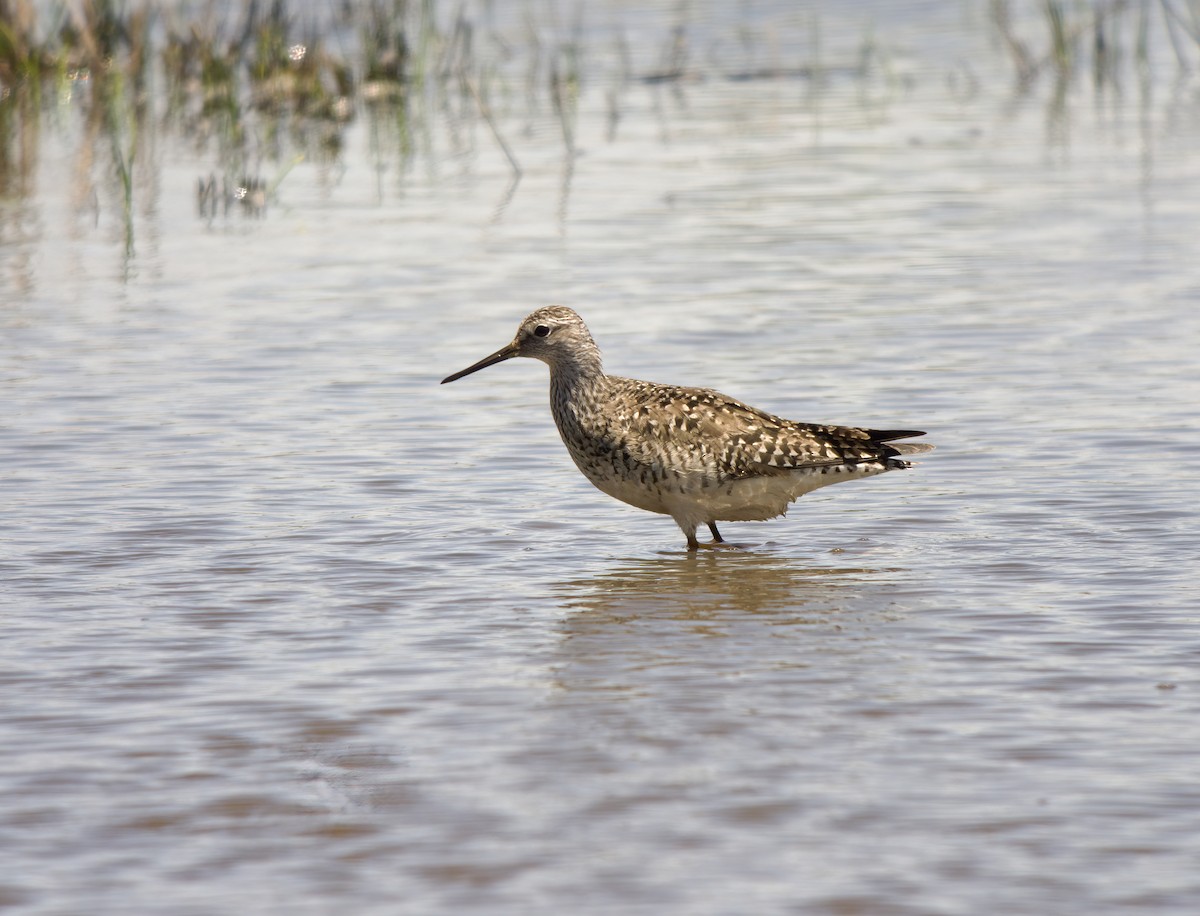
[[541, 331]]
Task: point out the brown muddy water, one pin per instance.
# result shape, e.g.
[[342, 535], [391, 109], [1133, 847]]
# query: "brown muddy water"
[[289, 628]]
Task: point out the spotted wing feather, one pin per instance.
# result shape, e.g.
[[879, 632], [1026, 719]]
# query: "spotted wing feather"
[[734, 440]]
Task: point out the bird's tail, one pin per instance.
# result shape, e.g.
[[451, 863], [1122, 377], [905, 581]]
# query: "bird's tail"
[[893, 451]]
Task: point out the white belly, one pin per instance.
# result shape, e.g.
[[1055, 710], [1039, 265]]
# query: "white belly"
[[759, 498], [749, 499]]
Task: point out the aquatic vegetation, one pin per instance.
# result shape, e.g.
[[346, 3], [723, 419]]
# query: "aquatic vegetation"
[[1075, 32], [260, 84]]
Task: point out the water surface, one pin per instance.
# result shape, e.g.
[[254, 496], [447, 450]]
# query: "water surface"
[[290, 628]]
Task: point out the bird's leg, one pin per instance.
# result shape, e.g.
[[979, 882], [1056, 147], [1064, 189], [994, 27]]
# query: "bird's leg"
[[717, 539], [689, 532]]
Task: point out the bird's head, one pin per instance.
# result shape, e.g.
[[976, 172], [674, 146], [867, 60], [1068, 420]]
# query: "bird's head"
[[555, 334]]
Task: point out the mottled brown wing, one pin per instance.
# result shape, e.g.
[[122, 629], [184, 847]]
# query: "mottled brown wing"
[[720, 433]]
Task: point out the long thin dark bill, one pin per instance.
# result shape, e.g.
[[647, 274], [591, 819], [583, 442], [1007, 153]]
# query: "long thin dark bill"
[[498, 357]]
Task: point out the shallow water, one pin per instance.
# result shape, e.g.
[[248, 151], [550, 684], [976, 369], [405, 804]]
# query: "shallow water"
[[289, 627]]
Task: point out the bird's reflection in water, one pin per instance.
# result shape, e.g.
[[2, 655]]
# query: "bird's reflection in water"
[[709, 585], [714, 615], [680, 658]]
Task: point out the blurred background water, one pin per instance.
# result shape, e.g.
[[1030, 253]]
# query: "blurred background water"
[[287, 627]]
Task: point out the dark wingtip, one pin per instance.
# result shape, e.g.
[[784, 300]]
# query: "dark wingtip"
[[904, 448], [888, 435]]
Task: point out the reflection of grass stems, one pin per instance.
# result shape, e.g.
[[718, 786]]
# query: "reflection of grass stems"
[[619, 86], [1176, 23], [283, 173], [1060, 43], [869, 58], [113, 45], [1104, 55], [20, 67], [1065, 36], [564, 93], [1142, 42], [1022, 59], [123, 160], [486, 111]]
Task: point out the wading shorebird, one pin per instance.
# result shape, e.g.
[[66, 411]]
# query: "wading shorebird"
[[691, 453]]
